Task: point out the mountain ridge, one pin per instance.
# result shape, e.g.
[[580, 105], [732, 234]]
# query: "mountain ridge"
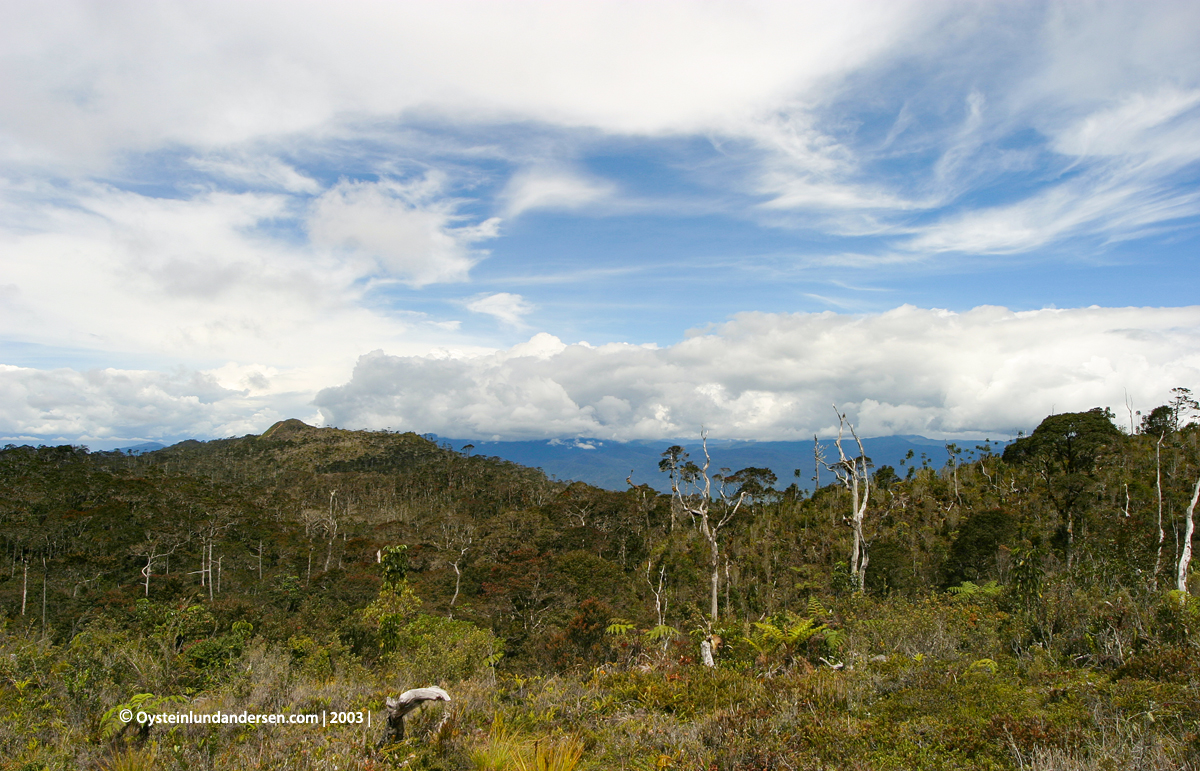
[[608, 463]]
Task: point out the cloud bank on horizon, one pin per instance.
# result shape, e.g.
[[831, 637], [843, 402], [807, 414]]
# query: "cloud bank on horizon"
[[214, 216]]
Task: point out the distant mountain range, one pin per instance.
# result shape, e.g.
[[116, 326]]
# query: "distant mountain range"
[[138, 449], [607, 464]]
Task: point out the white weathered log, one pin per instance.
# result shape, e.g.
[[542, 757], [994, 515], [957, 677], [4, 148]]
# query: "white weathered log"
[[398, 707]]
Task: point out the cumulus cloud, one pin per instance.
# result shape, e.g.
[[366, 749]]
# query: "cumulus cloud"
[[989, 371], [985, 372], [104, 407]]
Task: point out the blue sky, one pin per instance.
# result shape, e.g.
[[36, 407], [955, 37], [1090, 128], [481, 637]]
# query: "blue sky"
[[621, 220]]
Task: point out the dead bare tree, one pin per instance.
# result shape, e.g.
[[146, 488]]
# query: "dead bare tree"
[[154, 548], [456, 537], [852, 473], [660, 603], [216, 524], [698, 504]]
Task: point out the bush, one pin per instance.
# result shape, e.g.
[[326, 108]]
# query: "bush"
[[436, 649]]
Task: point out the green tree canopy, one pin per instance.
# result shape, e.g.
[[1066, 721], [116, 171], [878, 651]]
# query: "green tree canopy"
[[1068, 443]]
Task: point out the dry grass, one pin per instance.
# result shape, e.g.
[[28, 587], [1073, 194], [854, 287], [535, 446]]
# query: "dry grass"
[[504, 750]]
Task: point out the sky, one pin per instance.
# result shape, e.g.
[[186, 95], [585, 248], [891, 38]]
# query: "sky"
[[623, 220]]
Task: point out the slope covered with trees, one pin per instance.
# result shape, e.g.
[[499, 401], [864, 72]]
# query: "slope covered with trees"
[[1030, 609]]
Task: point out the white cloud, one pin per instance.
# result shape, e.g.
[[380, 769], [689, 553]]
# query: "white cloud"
[[199, 281], [796, 99], [988, 371], [773, 376], [399, 231], [96, 78], [105, 406], [507, 307], [262, 172], [792, 80], [553, 189], [1096, 109], [1114, 202]]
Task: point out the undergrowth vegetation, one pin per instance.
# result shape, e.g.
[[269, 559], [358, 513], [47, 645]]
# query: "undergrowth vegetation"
[[1017, 611]]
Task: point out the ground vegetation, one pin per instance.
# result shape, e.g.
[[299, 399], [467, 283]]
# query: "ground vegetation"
[[1028, 606]]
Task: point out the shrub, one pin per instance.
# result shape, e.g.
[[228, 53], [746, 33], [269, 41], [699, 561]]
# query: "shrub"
[[433, 649]]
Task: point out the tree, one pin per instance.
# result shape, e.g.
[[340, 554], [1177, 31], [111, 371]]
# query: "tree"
[[1170, 417], [155, 547], [1063, 449], [456, 537], [973, 553], [1182, 405], [755, 483], [681, 471], [698, 505], [1068, 443], [852, 473], [1160, 421]]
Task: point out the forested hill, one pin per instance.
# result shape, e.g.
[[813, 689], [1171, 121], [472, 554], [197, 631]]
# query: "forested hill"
[[369, 558]]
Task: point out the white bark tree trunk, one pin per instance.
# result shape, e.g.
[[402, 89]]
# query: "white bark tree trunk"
[[854, 476], [1186, 556], [1158, 489]]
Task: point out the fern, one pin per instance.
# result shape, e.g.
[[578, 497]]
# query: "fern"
[[619, 626], [965, 589], [662, 632], [784, 636], [968, 589]]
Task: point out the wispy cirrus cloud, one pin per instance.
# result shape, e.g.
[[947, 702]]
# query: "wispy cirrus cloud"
[[507, 307], [257, 171], [553, 189]]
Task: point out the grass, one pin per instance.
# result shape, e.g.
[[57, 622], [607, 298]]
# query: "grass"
[[504, 750]]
